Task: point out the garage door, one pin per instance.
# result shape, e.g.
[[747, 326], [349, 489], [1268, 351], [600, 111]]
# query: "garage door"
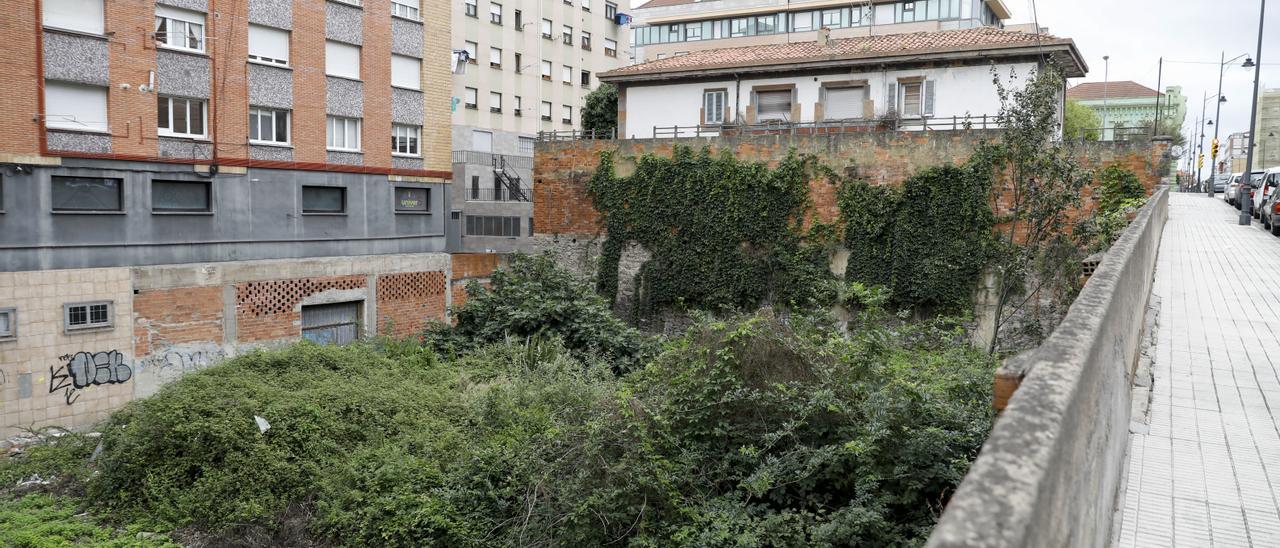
[[844, 103], [331, 323]]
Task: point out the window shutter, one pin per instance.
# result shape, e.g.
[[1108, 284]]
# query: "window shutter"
[[81, 15], [843, 103], [773, 105], [269, 44], [891, 98], [406, 72], [928, 97], [75, 107]]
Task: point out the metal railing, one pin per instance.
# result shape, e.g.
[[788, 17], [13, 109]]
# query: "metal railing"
[[474, 157], [499, 194], [953, 123], [577, 135]]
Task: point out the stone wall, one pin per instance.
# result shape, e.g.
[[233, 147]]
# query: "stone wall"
[[1048, 474]]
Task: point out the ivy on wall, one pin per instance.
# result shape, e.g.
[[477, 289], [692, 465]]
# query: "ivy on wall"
[[724, 233]]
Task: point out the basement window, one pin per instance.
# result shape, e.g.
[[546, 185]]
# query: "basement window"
[[336, 323], [87, 315]]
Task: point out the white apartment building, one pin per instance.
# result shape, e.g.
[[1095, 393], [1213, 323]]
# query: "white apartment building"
[[667, 28], [532, 64]]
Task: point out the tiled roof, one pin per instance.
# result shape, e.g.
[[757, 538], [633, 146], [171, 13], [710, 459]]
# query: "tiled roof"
[[865, 47], [1095, 91]]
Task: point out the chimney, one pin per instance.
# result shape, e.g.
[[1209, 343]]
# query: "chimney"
[[824, 37]]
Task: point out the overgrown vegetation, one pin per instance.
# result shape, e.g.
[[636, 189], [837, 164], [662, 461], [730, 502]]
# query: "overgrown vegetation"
[[1080, 122], [1120, 196], [600, 111], [749, 431], [724, 233]]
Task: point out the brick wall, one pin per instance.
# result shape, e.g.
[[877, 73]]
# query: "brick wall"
[[271, 310], [165, 317], [561, 170], [19, 134], [407, 300], [469, 267]]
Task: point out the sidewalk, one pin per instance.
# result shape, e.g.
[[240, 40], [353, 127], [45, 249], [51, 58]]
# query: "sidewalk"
[[1207, 470]]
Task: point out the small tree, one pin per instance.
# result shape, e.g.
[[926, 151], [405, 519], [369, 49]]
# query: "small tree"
[[1080, 122], [600, 113]]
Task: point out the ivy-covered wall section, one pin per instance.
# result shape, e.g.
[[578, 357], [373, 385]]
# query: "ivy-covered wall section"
[[723, 233]]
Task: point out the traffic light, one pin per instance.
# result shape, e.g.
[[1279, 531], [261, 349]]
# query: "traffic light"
[[1215, 148], [1200, 161]]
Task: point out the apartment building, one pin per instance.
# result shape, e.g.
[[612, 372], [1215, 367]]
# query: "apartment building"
[[184, 179], [530, 65], [668, 28]]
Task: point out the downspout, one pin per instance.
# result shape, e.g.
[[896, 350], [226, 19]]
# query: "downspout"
[[737, 97]]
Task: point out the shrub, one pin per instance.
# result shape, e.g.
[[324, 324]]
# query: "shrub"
[[1118, 186]]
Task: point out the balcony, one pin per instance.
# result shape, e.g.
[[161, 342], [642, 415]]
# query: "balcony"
[[499, 194]]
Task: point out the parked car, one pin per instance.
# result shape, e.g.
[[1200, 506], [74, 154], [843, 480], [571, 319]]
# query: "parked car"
[[1232, 186], [1250, 189], [1220, 182], [1267, 211], [1263, 189]]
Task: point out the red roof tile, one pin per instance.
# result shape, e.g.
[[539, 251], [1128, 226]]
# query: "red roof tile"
[[1095, 91], [865, 47]]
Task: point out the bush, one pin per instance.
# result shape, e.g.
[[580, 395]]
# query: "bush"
[[534, 296], [1118, 186]]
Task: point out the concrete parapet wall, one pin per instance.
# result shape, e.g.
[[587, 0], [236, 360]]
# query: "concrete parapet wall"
[[1049, 473]]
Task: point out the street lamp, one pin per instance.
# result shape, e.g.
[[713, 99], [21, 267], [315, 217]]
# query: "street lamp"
[[1106, 79], [1222, 67], [1253, 120], [1203, 105]]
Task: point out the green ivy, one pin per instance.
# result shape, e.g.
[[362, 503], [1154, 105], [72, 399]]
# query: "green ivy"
[[723, 233], [1119, 185], [927, 241]]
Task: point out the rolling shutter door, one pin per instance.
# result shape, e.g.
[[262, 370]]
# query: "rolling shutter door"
[[773, 105], [844, 103]]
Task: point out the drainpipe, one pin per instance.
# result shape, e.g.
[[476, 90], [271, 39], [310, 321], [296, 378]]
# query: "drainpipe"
[[737, 97]]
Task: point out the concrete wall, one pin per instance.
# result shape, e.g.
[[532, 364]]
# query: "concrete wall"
[[1049, 473]]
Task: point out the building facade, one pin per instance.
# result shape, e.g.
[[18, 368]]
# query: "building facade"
[[1267, 124], [937, 80], [183, 179], [529, 66], [668, 28], [1129, 107], [1237, 146]]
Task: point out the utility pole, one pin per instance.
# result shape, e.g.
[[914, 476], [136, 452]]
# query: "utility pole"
[[1155, 125], [1106, 79], [1253, 121], [1217, 121], [1200, 142]]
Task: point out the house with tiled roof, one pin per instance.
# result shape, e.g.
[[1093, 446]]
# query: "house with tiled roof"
[[934, 79], [1130, 106]]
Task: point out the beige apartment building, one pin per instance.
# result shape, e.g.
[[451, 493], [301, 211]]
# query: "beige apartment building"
[[529, 67], [667, 28]]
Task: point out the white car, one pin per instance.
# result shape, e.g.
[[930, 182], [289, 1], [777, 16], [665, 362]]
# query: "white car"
[[1234, 184], [1269, 182]]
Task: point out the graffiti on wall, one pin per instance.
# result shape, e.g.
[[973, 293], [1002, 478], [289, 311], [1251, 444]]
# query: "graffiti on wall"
[[84, 369], [165, 366]]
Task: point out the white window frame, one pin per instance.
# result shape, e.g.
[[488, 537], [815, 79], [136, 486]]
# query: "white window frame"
[[185, 19], [546, 29], [545, 111], [566, 114], [713, 116], [495, 101], [473, 51], [12, 332], [273, 114], [471, 99], [170, 131], [495, 57], [402, 64], [73, 101], [566, 35], [77, 15], [902, 99], [350, 131], [410, 137], [566, 74], [471, 8], [89, 324], [403, 9], [267, 35], [333, 66], [610, 47], [495, 13], [546, 70]]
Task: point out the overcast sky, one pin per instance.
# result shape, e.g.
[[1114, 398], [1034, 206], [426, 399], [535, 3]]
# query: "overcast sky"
[[1136, 33]]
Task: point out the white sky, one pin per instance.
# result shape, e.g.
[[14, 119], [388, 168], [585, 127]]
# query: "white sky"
[[1136, 33]]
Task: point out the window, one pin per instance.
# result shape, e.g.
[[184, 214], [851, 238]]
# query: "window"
[[406, 72], [525, 146], [181, 196], [566, 74], [324, 199], [738, 27], [519, 105], [832, 18], [844, 103], [546, 70], [405, 139], [766, 24], [336, 324], [566, 114], [610, 47], [519, 21], [916, 98], [343, 134], [586, 5], [405, 9], [81, 15], [495, 57], [546, 111], [75, 107], [473, 51], [90, 315], [179, 29], [469, 7], [519, 58], [586, 78], [87, 193], [610, 10], [341, 60], [488, 225], [495, 101], [773, 105], [586, 40], [269, 126], [495, 13], [413, 199], [713, 106], [566, 35], [472, 99], [179, 117], [693, 32], [8, 324], [801, 22], [481, 141], [268, 45], [546, 29]]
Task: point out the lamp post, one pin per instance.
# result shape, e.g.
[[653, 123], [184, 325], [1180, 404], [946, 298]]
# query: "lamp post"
[[1253, 118], [1106, 79], [1222, 67]]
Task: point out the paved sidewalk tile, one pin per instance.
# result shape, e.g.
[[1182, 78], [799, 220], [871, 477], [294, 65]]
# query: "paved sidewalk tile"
[[1207, 471]]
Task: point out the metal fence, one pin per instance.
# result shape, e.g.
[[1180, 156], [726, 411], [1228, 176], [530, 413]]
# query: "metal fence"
[[474, 157], [499, 194], [577, 135]]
